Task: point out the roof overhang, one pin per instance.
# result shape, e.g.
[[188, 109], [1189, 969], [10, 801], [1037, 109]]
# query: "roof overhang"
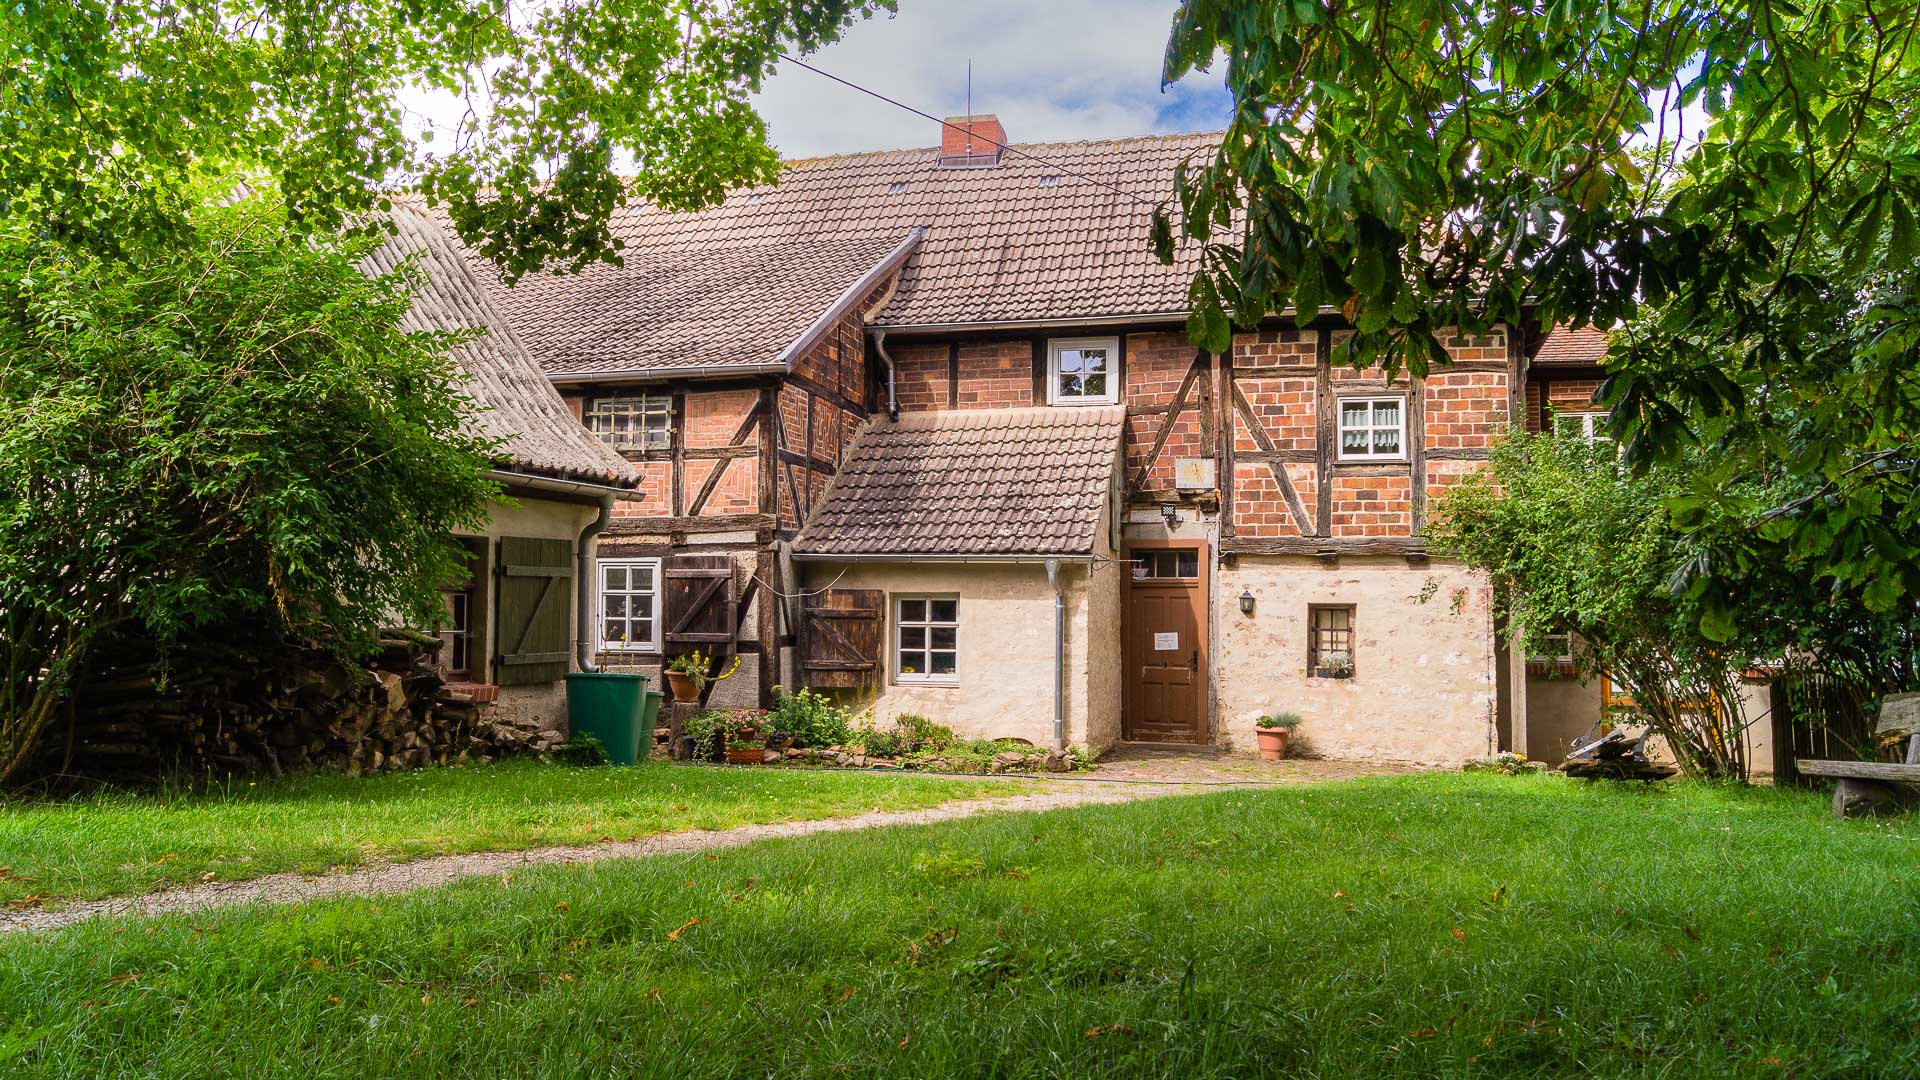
[[823, 556], [555, 486]]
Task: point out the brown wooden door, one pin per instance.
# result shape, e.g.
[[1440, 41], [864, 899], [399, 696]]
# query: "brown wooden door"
[[1166, 644]]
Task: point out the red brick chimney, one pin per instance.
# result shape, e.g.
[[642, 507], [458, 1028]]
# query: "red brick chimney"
[[971, 142]]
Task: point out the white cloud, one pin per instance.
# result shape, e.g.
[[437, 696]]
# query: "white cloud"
[[1052, 71]]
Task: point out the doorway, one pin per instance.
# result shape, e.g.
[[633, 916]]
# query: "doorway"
[[1165, 630]]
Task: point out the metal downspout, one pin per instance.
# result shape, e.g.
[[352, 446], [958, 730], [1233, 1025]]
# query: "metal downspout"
[[880, 346], [1059, 656], [583, 619]]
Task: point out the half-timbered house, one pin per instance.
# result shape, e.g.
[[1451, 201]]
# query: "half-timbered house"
[[924, 428]]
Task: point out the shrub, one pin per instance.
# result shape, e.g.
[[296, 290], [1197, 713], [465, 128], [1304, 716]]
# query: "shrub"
[[811, 718], [924, 734]]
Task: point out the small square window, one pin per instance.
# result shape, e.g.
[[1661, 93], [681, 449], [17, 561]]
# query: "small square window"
[[1083, 371], [633, 422], [1551, 649], [926, 639], [629, 605], [1330, 641], [1373, 429]]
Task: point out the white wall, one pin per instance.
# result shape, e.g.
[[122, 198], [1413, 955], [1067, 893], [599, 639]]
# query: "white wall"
[[1424, 683]]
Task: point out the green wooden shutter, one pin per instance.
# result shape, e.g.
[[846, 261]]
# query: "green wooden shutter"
[[533, 611]]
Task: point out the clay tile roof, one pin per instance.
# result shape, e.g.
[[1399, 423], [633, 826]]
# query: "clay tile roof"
[[1022, 240], [1568, 345], [972, 482], [673, 308], [516, 403]]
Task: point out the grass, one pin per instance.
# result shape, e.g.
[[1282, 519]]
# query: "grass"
[[119, 843], [1435, 925]]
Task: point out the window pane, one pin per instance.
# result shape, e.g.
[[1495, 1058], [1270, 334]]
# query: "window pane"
[[1386, 441], [1071, 362], [1069, 385], [1189, 564], [642, 579], [913, 611], [1353, 413], [616, 607], [1386, 412], [1354, 439], [946, 611], [642, 628], [1095, 385], [913, 637], [1093, 360], [615, 576], [942, 663], [943, 637], [614, 631]]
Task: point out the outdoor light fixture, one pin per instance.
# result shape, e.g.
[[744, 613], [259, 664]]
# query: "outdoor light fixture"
[[1171, 515], [1246, 601]]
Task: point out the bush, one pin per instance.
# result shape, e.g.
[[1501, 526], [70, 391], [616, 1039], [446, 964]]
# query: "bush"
[[812, 719]]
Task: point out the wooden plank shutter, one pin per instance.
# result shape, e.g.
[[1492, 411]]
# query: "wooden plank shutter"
[[699, 600], [533, 621], [841, 634]]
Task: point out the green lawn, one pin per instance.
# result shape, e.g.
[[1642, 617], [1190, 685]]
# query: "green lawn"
[[125, 843], [1416, 926]]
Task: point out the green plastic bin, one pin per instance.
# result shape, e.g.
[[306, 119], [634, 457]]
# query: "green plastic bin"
[[650, 718], [609, 706]]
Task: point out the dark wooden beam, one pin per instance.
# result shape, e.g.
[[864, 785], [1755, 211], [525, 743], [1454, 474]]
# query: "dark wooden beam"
[[1417, 456], [1223, 434], [1324, 428], [678, 444]]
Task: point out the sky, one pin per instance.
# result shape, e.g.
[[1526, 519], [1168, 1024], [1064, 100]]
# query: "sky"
[[1052, 70]]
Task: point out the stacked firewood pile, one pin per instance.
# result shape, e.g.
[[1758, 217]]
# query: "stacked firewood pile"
[[240, 707]]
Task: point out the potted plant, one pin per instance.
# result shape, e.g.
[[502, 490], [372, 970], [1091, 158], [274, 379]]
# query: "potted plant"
[[1273, 733], [687, 675], [741, 730]]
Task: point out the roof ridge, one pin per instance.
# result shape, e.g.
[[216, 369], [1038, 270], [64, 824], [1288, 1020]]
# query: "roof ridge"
[[1027, 147]]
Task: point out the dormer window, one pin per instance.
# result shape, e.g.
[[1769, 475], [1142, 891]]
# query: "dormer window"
[[633, 421], [1083, 371]]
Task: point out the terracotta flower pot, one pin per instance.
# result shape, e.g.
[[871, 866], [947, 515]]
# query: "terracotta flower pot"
[[682, 686], [750, 756], [1273, 742]]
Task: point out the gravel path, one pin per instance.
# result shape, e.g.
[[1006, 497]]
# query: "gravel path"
[[442, 869]]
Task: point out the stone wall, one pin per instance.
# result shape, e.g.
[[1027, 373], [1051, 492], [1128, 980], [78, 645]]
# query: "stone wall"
[[1423, 689], [1004, 685]]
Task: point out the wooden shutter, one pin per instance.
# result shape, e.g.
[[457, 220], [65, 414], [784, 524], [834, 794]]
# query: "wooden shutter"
[[533, 620], [841, 634], [698, 600]]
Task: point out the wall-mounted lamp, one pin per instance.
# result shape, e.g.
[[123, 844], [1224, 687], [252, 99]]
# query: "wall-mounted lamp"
[[1171, 515], [1246, 601]]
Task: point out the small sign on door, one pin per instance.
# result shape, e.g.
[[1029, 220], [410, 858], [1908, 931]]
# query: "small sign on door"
[[1166, 642]]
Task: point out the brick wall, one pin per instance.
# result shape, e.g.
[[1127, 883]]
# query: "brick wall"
[[1372, 505], [1157, 365], [1546, 396], [996, 374], [1465, 408], [920, 380]]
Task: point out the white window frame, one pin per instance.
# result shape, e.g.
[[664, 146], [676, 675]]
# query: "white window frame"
[[1340, 427], [1056, 346], [601, 566], [599, 412], [900, 623], [1558, 649], [1589, 424]]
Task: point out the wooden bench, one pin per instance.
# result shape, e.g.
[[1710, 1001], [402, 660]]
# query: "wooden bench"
[[1875, 787]]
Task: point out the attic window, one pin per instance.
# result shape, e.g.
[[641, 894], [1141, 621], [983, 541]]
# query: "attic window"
[[1050, 181], [897, 187], [633, 422]]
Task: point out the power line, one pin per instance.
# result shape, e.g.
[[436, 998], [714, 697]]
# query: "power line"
[[1115, 188]]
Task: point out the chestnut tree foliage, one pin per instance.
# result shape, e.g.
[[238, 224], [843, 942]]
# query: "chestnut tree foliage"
[[1421, 164], [113, 108]]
